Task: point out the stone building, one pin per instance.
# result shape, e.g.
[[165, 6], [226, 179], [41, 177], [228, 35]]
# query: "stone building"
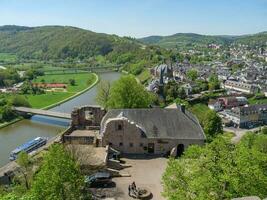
[[135, 131], [151, 131]]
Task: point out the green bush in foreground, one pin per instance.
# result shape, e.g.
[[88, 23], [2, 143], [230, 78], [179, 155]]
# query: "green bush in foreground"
[[58, 178], [219, 170]]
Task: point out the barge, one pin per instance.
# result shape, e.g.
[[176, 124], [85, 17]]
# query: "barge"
[[28, 147]]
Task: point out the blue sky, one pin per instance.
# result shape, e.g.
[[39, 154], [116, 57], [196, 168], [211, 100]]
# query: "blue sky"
[[138, 18]]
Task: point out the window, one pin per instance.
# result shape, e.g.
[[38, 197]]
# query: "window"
[[119, 127], [121, 144], [131, 144], [141, 144]]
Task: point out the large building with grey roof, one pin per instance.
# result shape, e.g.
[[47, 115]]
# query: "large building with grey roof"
[[150, 131], [159, 131]]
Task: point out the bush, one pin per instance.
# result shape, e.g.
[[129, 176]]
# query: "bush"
[[6, 113], [20, 101]]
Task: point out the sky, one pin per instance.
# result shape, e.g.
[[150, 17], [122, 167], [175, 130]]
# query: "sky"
[[140, 18]]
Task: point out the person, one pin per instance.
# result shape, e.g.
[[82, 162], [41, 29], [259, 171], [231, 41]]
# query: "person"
[[129, 190], [134, 186]]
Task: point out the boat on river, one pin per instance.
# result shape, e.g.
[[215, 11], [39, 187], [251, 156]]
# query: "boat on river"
[[28, 147]]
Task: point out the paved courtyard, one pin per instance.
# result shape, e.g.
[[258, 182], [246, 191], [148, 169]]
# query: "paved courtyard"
[[146, 172]]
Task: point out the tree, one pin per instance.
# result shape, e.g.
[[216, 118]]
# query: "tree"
[[212, 124], [181, 93], [26, 88], [214, 82], [192, 74], [127, 93], [103, 92], [72, 82], [59, 177], [6, 113], [19, 100], [264, 130], [219, 170], [25, 167]]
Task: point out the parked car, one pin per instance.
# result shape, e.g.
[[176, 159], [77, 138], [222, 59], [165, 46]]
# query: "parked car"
[[98, 179]]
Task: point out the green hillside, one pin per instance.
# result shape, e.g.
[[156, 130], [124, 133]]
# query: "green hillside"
[[58, 42], [183, 40], [256, 39]]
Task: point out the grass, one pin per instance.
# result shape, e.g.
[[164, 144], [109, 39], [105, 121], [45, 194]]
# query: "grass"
[[257, 101], [200, 110], [43, 100], [83, 81], [7, 57]]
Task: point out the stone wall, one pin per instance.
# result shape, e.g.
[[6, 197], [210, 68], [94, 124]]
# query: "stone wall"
[[128, 138], [87, 116]]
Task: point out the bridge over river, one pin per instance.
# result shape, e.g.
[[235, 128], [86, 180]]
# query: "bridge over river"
[[49, 113], [16, 134]]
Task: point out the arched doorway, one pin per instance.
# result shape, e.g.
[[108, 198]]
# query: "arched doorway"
[[180, 150]]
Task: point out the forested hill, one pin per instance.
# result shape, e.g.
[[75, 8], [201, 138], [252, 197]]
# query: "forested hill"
[[192, 39], [59, 42]]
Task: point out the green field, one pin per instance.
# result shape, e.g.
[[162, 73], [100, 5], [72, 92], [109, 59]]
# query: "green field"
[[49, 98], [83, 81], [7, 57]]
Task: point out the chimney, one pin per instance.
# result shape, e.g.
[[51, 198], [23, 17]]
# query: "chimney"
[[182, 108]]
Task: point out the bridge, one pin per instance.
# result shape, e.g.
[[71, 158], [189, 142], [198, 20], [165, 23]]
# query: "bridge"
[[48, 113]]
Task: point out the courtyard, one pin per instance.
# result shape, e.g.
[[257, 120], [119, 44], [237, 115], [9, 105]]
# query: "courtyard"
[[146, 172]]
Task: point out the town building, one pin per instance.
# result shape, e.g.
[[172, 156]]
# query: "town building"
[[230, 102], [241, 87], [215, 105], [164, 69], [227, 103], [248, 116]]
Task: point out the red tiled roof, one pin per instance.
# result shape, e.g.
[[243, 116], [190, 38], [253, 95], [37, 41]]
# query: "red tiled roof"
[[50, 85]]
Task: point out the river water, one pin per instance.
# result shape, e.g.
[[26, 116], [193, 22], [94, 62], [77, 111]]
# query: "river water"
[[24, 130]]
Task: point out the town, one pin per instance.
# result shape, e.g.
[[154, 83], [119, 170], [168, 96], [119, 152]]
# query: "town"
[[165, 101]]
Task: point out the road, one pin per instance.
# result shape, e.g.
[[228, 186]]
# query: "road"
[[239, 133]]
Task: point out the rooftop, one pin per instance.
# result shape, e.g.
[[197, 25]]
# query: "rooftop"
[[159, 122], [83, 133]]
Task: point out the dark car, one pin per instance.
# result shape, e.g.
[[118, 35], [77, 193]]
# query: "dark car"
[[98, 179]]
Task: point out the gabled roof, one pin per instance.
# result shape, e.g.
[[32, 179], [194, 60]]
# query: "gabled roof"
[[159, 122]]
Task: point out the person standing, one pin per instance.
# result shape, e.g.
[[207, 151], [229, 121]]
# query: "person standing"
[[129, 190], [134, 186]]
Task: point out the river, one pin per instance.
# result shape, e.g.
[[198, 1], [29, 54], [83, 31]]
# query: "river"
[[24, 130]]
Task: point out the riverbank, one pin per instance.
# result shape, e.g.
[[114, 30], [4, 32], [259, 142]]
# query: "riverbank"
[[5, 124], [75, 95]]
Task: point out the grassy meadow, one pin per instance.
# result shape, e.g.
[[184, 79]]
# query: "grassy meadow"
[[82, 81]]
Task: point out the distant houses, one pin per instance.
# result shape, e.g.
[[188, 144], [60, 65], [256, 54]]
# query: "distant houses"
[[227, 103], [248, 116], [241, 87]]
